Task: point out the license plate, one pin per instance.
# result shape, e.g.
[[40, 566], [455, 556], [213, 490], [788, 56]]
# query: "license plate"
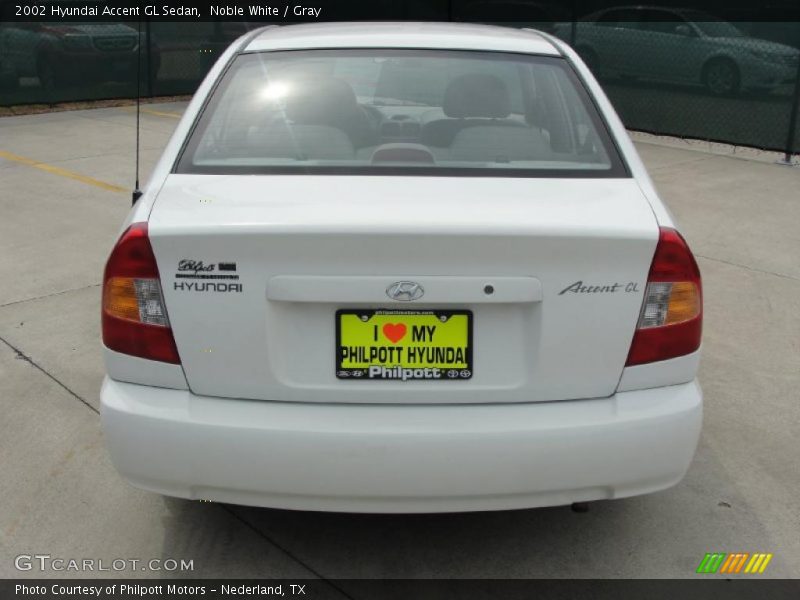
[[404, 345]]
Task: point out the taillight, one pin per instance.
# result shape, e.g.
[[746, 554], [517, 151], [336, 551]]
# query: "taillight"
[[671, 321], [134, 316]]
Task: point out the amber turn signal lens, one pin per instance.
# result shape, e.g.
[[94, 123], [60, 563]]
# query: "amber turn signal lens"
[[684, 303], [119, 298]]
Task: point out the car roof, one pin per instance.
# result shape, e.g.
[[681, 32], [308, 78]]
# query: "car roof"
[[451, 36]]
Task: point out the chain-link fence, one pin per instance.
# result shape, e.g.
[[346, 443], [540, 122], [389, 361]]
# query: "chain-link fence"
[[48, 63], [667, 71], [676, 72]]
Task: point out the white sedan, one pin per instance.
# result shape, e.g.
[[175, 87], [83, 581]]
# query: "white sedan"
[[390, 267]]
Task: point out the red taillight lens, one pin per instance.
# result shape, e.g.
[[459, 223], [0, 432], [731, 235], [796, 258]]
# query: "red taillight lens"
[[671, 321], [134, 317]]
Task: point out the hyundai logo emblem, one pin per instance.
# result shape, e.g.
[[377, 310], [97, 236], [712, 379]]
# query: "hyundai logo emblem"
[[405, 291]]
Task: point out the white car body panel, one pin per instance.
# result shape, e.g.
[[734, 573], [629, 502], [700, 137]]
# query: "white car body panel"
[[360, 289], [254, 414], [558, 231], [368, 458], [461, 36], [147, 372], [674, 371]]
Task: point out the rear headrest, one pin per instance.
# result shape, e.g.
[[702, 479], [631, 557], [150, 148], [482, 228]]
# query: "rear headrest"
[[477, 95], [320, 101]]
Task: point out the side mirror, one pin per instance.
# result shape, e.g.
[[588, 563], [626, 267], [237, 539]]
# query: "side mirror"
[[684, 30]]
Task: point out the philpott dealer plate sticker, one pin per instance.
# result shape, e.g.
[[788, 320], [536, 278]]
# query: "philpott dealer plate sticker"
[[403, 345]]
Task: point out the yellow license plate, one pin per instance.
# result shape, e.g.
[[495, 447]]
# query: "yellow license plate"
[[403, 345]]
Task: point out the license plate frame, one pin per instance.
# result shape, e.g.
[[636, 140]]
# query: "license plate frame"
[[462, 369]]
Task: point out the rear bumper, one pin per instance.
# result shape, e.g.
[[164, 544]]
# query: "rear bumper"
[[368, 458]]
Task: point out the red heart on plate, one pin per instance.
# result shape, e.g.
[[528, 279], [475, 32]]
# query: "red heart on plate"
[[394, 332]]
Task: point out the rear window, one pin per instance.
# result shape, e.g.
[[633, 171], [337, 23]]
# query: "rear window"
[[401, 112]]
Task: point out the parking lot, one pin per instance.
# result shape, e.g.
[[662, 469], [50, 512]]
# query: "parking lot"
[[65, 180]]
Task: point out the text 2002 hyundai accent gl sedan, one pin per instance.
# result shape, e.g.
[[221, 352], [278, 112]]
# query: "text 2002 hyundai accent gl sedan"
[[401, 268]]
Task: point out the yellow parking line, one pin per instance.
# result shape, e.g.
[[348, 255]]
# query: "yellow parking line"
[[110, 187], [150, 111]]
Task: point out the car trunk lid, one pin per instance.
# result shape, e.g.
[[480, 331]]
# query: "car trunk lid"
[[255, 268]]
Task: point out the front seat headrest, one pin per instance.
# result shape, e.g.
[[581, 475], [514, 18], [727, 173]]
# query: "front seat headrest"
[[477, 95]]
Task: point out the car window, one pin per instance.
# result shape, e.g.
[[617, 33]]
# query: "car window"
[[426, 81], [661, 21], [714, 27], [407, 111]]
